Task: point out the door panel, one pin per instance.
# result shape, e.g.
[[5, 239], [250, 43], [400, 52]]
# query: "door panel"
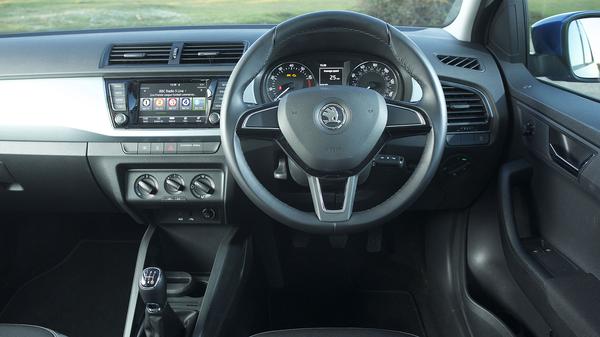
[[549, 191]]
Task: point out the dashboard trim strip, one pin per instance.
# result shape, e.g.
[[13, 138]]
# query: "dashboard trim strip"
[[76, 104]]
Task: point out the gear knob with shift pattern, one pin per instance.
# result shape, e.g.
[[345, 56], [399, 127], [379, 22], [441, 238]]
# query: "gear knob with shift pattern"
[[160, 320], [153, 289]]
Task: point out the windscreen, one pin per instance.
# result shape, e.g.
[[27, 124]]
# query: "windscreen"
[[22, 16]]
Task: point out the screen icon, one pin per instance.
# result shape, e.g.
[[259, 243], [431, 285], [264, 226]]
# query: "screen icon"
[[172, 103], [186, 103], [199, 103], [159, 103], [146, 104]]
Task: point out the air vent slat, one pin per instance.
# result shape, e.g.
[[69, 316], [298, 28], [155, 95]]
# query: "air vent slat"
[[188, 48], [156, 51], [147, 60], [232, 53], [479, 111], [141, 47], [466, 109], [139, 54], [461, 61], [462, 99], [197, 53]]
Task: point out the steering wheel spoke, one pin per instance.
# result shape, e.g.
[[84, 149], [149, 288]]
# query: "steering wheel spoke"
[[333, 215], [260, 122], [405, 120]]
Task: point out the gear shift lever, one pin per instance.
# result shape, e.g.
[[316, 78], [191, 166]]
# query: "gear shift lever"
[[153, 289], [161, 320]]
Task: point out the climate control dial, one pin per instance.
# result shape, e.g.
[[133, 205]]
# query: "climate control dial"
[[202, 186], [174, 184], [146, 186]]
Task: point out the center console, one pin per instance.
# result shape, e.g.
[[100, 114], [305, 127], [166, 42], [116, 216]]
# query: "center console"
[[168, 165], [165, 103], [166, 169]]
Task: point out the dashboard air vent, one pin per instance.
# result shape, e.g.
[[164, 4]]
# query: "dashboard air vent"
[[466, 109], [139, 54], [461, 61], [216, 53]]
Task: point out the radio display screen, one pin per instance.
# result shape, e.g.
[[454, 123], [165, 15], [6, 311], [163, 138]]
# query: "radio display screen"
[[175, 102]]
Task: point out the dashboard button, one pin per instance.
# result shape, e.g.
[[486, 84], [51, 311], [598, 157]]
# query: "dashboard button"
[[211, 147], [130, 148], [119, 106], [481, 138], [170, 148], [454, 140], [115, 87], [157, 148], [189, 148], [118, 100], [144, 148]]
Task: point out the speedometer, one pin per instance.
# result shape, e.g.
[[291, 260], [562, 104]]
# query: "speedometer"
[[377, 76], [287, 77]]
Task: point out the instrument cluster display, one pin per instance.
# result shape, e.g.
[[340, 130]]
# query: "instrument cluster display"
[[376, 75], [331, 74], [287, 77]]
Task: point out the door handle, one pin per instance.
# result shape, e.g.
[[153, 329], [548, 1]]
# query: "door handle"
[[567, 152], [563, 162]]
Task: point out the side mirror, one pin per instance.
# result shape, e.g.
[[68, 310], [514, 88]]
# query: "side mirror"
[[584, 47], [567, 46]]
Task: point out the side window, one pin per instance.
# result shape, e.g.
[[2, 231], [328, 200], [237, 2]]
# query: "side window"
[[564, 48]]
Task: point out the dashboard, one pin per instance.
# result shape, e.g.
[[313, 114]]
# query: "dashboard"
[[79, 132]]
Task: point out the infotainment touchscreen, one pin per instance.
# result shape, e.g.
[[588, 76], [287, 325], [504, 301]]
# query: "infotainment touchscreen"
[[173, 102]]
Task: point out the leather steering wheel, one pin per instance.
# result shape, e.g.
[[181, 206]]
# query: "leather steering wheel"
[[333, 132]]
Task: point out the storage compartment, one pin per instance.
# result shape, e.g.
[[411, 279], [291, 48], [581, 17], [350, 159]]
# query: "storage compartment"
[[558, 282], [48, 176]]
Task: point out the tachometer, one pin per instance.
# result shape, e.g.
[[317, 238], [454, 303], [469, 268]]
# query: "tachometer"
[[377, 76], [287, 77]]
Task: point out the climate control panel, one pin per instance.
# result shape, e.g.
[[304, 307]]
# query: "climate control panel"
[[177, 187]]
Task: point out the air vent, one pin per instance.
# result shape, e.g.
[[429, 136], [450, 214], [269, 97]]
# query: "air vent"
[[203, 53], [139, 54], [461, 61], [466, 110]]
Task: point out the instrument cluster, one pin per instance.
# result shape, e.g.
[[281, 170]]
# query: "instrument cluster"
[[332, 69]]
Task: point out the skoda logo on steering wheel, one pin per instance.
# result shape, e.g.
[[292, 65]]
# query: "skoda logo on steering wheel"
[[332, 116]]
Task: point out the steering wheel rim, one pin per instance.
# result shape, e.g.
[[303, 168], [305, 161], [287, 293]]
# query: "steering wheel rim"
[[407, 56]]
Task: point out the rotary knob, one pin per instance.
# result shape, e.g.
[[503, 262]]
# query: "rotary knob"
[[120, 119], [145, 186], [214, 118], [203, 186], [174, 184]]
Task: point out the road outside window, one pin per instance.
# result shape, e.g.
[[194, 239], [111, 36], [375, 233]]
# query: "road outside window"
[[20, 16]]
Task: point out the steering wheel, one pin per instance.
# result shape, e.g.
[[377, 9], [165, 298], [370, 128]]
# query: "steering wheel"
[[333, 132]]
